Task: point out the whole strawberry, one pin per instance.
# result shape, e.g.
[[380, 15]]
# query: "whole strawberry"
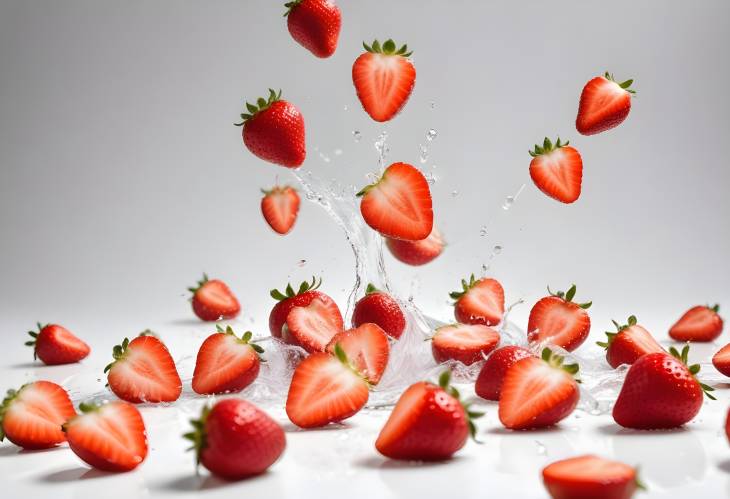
[[379, 308], [699, 323], [628, 343], [213, 300], [290, 299], [55, 344], [489, 382], [557, 170], [315, 25], [559, 320], [604, 104], [480, 301], [273, 130]]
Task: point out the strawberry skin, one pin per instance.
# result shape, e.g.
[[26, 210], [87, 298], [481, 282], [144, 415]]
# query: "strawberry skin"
[[557, 319], [590, 477], [368, 349], [315, 25], [479, 302], [379, 308], [289, 299], [721, 360], [465, 343], [604, 104], [31, 417], [489, 382], [55, 345], [417, 252], [280, 207], [212, 300], [557, 170], [699, 323], [628, 343]]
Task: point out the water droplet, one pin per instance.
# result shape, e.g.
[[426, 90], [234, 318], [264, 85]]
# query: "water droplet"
[[431, 134], [345, 108], [434, 166], [454, 193], [310, 195], [324, 157], [497, 250], [424, 153], [357, 135], [301, 263], [338, 152], [508, 202], [431, 178], [483, 231], [541, 449], [432, 105]]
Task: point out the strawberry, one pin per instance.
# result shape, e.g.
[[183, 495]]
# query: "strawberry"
[[590, 477], [727, 425], [557, 319], [480, 302], [290, 299], [721, 360], [325, 389], [538, 393], [315, 25], [280, 207], [604, 104], [109, 437], [417, 252], [235, 439], [428, 423], [379, 308], [465, 343], [384, 78], [55, 344], [273, 130], [143, 371], [490, 379], [557, 170], [398, 205], [367, 348], [226, 363], [212, 300], [628, 343], [312, 327], [699, 323], [31, 417], [660, 391]]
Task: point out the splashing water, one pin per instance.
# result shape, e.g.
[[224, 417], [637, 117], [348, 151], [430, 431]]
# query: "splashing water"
[[424, 148], [510, 200]]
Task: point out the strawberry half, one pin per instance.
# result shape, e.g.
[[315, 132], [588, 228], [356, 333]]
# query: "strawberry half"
[[368, 349], [417, 252], [109, 437], [721, 360], [312, 327], [590, 477], [226, 363], [280, 207], [325, 389], [489, 382], [143, 371], [479, 302], [379, 308], [628, 343], [557, 170], [315, 25], [55, 344], [538, 393], [384, 78], [465, 343], [557, 319], [604, 104], [31, 417], [212, 300], [699, 323], [289, 300], [399, 205]]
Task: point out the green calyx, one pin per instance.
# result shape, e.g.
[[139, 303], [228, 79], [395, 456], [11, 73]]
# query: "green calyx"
[[625, 85], [118, 353], [10, 397], [558, 362], [245, 339], [466, 286], [340, 354], [445, 384], [547, 147], [290, 6], [34, 336], [371, 289], [610, 336], [388, 48], [683, 357], [149, 332], [290, 293], [200, 284], [569, 295], [368, 187], [261, 105], [715, 308], [197, 436], [277, 189]]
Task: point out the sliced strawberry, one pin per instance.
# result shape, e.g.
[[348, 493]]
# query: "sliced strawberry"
[[590, 477], [312, 327], [280, 207], [628, 343], [465, 343], [480, 302], [557, 319], [212, 300], [721, 360], [699, 323], [604, 104], [289, 300], [417, 252], [368, 349], [557, 170], [490, 379], [55, 344], [382, 309]]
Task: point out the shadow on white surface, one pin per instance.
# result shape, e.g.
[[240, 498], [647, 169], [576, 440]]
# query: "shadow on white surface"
[[196, 482], [74, 474], [385, 464], [724, 466]]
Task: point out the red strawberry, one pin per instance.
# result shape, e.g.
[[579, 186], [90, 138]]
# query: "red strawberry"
[[699, 323], [557, 170], [226, 363], [721, 360], [628, 343], [109, 437], [428, 423], [143, 371], [367, 348], [537, 393], [290, 299], [558, 320], [379, 308], [480, 302], [384, 78], [604, 104], [212, 300], [660, 391], [490, 379], [417, 252], [398, 205], [325, 389], [590, 477], [235, 439], [315, 25], [727, 425], [280, 207], [55, 344], [312, 327], [31, 417], [273, 130], [465, 343]]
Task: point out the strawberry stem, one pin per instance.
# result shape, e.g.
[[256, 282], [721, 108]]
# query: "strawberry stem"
[[569, 295], [625, 85], [261, 105]]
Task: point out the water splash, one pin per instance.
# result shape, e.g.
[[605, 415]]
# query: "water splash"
[[510, 200], [424, 148]]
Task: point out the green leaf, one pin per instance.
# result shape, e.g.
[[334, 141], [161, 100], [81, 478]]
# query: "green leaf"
[[276, 295], [251, 108], [444, 379], [340, 354], [389, 46], [289, 290], [247, 336], [570, 294], [376, 46], [546, 354], [632, 320]]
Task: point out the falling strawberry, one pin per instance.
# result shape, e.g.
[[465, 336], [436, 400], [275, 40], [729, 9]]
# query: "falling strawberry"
[[273, 130], [557, 170], [660, 391], [31, 417], [604, 104], [465, 343], [628, 343], [313, 326], [303, 297], [721, 360], [398, 205], [560, 321], [538, 393], [489, 382], [699, 323], [226, 363], [55, 344], [212, 300], [590, 477], [315, 25], [366, 347], [481, 301], [235, 439], [280, 207], [384, 78], [417, 252], [109, 437], [379, 308]]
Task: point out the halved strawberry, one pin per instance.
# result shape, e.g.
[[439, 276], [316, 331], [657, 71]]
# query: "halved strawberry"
[[417, 252], [143, 371], [721, 360], [325, 389], [289, 300], [379, 308], [538, 393], [368, 349], [212, 300], [700, 323], [31, 417], [109, 437], [384, 78], [481, 301], [465, 343], [604, 104], [280, 207], [557, 170], [312, 327], [489, 382], [55, 344], [558, 320], [399, 205], [226, 363], [590, 477], [628, 343]]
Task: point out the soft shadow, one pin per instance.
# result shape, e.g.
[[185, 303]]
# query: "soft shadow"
[[537, 431], [292, 428], [618, 430], [190, 321], [724, 466], [195, 482], [28, 365], [383, 463], [74, 474], [9, 450]]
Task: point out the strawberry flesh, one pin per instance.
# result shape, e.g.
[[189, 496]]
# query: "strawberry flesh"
[[225, 364], [312, 327], [280, 207], [465, 343], [367, 348], [589, 477]]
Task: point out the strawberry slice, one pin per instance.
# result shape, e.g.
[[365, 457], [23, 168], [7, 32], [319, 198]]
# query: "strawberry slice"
[[417, 252], [604, 104], [31, 417], [590, 476], [398, 205], [55, 345], [212, 300], [368, 349], [465, 343], [700, 323], [557, 170], [557, 319], [489, 382], [479, 302], [109, 437], [721, 360], [280, 207], [325, 389], [384, 78], [628, 343], [313, 326]]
